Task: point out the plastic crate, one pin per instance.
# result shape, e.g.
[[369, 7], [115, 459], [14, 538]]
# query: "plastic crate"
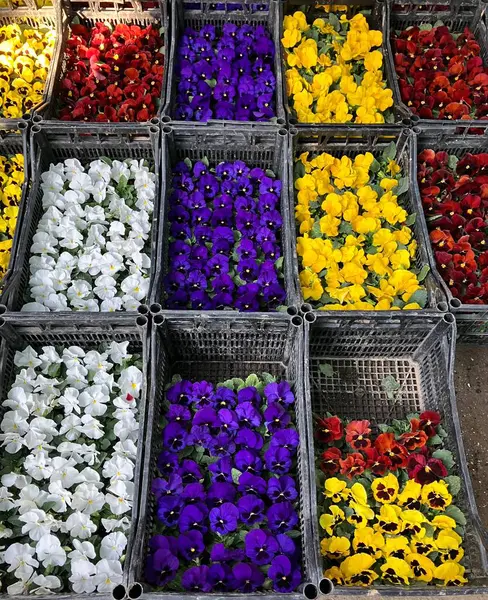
[[418, 351], [210, 12], [34, 17], [376, 16], [472, 319], [88, 13], [216, 348], [398, 15], [14, 140], [258, 146], [53, 142], [18, 331], [350, 141]]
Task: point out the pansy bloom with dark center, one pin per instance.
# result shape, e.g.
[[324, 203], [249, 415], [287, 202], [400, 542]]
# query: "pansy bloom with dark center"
[[225, 487], [225, 240], [225, 74], [112, 74], [386, 495]]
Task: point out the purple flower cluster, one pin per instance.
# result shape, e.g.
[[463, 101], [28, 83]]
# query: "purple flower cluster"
[[226, 75], [225, 496], [224, 248]]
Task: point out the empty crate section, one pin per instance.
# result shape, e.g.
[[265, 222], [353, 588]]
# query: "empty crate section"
[[394, 499], [90, 226], [225, 238], [72, 413], [226, 489]]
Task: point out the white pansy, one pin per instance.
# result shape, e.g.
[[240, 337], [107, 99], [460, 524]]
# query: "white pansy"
[[76, 377], [105, 287], [94, 361], [71, 427], [130, 381], [82, 576], [48, 357], [118, 352], [127, 429], [65, 473], [20, 559], [30, 498], [38, 466], [5, 532], [27, 358], [79, 289], [34, 307], [44, 427], [82, 551], [47, 584], [44, 243], [113, 545], [88, 499], [126, 448], [15, 480], [135, 286], [118, 468], [24, 382], [6, 502], [12, 442], [59, 496], [73, 356], [92, 427], [35, 524], [80, 525], [114, 524], [94, 400], [69, 400], [91, 476], [120, 500], [105, 379], [119, 169], [15, 421], [50, 552], [109, 574]]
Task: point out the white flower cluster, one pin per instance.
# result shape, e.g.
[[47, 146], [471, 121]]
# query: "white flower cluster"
[[88, 251], [69, 431]]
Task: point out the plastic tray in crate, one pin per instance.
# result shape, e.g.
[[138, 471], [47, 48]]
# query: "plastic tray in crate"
[[54, 142], [256, 145], [88, 13], [418, 351], [210, 12], [17, 331], [472, 319], [398, 15], [14, 140], [35, 17], [215, 348], [375, 15], [350, 141]]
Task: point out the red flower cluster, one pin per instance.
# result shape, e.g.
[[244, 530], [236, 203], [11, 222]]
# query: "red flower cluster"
[[441, 75], [455, 200], [353, 450], [112, 75]]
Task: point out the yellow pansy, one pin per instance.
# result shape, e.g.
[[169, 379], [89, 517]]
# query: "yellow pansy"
[[12, 176], [448, 544], [385, 489], [329, 225], [389, 519], [291, 37], [335, 489], [369, 541], [422, 544], [436, 495], [311, 287], [329, 520], [451, 574], [443, 522], [373, 61], [388, 184], [335, 575], [357, 570], [335, 547], [409, 496], [396, 546], [393, 167], [422, 567], [413, 522], [396, 571], [362, 514], [358, 494]]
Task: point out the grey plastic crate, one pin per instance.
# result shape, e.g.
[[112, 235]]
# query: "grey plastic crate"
[[350, 141], [398, 15], [54, 142], [37, 18], [472, 319], [216, 348], [212, 12], [88, 13], [258, 146], [17, 331], [418, 351], [375, 14], [14, 140]]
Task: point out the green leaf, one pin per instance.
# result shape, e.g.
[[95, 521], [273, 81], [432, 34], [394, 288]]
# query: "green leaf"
[[411, 219], [205, 161], [235, 475], [423, 273], [457, 514], [334, 21], [228, 384], [294, 533], [420, 297], [446, 457], [54, 370], [425, 27], [211, 82], [316, 232], [279, 263], [106, 160], [267, 378], [188, 163], [345, 228], [375, 166], [389, 152], [270, 173], [238, 383], [390, 385], [435, 441], [454, 483], [299, 169], [327, 370], [429, 530], [452, 162], [252, 380], [402, 187]]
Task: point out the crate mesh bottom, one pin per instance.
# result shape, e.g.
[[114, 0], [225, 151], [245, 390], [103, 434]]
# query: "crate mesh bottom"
[[354, 390]]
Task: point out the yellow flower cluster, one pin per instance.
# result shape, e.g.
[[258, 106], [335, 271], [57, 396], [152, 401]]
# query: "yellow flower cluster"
[[25, 56], [355, 246], [12, 178], [390, 535], [334, 74]]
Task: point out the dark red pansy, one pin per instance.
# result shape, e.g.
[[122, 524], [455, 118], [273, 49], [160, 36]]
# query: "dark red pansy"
[[329, 430], [329, 461], [353, 465]]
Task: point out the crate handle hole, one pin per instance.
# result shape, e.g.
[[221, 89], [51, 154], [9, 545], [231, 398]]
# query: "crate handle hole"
[[135, 591], [281, 121], [297, 321], [455, 303], [143, 309], [155, 121], [326, 586], [141, 321], [36, 129], [292, 311], [158, 319], [310, 591], [119, 593], [310, 317], [443, 306], [167, 130], [165, 119], [155, 308], [37, 118], [449, 318], [282, 132]]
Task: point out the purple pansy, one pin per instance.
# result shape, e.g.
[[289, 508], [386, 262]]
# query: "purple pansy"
[[161, 567], [251, 509], [276, 417], [248, 577], [282, 517], [284, 574], [278, 460], [261, 547], [195, 579], [223, 519], [282, 489], [190, 545]]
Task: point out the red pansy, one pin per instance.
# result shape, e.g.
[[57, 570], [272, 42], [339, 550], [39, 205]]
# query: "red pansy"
[[353, 465], [386, 444], [357, 434], [330, 461], [425, 470], [329, 430]]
